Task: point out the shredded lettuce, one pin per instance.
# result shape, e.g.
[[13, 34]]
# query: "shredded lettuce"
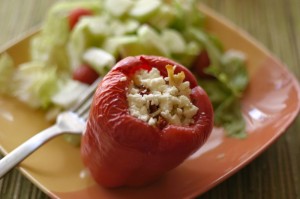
[[142, 10], [163, 18], [89, 31], [117, 29], [68, 93], [152, 41], [35, 84], [44, 50], [228, 115], [187, 15], [228, 79], [208, 43], [62, 8], [118, 11], [100, 60], [225, 91], [174, 41], [50, 45]]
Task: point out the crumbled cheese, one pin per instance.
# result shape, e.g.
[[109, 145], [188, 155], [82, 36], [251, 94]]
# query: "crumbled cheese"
[[123, 79], [151, 96]]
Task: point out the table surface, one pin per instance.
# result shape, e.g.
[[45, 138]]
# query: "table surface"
[[276, 172]]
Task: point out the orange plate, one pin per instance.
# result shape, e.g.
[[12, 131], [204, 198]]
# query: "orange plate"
[[270, 104]]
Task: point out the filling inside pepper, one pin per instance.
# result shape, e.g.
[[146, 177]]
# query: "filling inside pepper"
[[160, 100]]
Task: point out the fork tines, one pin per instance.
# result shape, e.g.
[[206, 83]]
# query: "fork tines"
[[82, 106]]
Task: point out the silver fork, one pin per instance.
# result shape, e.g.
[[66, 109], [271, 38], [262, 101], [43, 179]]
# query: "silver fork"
[[71, 121]]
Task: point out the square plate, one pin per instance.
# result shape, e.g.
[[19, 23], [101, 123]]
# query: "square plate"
[[270, 104]]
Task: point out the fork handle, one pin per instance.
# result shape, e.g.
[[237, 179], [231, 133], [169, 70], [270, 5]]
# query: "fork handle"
[[21, 152]]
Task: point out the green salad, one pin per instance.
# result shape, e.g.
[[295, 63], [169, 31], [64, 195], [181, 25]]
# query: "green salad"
[[97, 33]]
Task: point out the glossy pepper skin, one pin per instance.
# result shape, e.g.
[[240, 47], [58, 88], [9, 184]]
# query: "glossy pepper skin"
[[121, 150]]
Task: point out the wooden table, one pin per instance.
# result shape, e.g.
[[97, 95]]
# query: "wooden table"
[[276, 24]]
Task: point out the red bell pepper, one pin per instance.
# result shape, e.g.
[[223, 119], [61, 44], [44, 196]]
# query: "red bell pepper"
[[121, 150]]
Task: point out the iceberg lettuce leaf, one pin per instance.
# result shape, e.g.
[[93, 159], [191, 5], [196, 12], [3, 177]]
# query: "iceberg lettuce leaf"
[[35, 84]]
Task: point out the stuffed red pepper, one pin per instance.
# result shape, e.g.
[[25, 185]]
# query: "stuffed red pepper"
[[148, 115]]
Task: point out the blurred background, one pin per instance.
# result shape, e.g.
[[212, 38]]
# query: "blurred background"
[[276, 24]]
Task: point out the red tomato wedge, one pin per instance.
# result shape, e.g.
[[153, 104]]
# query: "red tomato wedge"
[[201, 62], [76, 14], [85, 74], [122, 150]]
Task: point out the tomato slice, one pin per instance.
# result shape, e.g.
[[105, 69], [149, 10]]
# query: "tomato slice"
[[76, 14], [85, 74], [201, 62]]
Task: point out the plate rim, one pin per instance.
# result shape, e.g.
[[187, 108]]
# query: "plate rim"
[[220, 18]]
